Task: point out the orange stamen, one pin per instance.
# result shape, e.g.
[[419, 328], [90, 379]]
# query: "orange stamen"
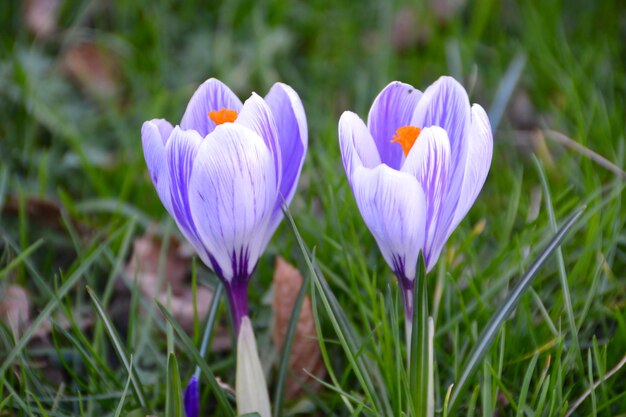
[[406, 137], [223, 116]]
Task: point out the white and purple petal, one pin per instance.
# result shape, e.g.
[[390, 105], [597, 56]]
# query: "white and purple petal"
[[479, 154], [154, 135], [445, 104], [356, 143], [212, 95], [231, 194], [257, 116], [393, 108], [429, 162], [393, 207], [180, 151], [293, 136]]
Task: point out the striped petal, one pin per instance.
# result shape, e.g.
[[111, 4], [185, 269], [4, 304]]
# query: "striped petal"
[[181, 151], [293, 136], [154, 135], [393, 108], [257, 116], [356, 143], [429, 162], [445, 104], [231, 194], [479, 154], [212, 95], [393, 207]]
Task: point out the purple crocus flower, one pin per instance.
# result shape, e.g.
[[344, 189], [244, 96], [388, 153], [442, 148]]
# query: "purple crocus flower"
[[415, 169], [224, 173]]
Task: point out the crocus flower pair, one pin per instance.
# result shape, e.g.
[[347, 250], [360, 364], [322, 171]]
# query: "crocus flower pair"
[[415, 170]]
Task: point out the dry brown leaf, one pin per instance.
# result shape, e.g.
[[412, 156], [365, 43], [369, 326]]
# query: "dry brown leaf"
[[40, 16], [15, 308], [446, 10], [144, 264], [94, 68], [305, 351], [42, 210], [143, 267], [404, 30], [82, 321], [521, 111], [410, 29]]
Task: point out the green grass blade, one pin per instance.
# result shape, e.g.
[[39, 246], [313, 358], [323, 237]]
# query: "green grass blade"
[[4, 175], [20, 258], [210, 322], [286, 351], [506, 88], [345, 398], [120, 405], [85, 264], [346, 338], [567, 297], [342, 327], [490, 331], [188, 345], [174, 392], [521, 403], [418, 358], [118, 345]]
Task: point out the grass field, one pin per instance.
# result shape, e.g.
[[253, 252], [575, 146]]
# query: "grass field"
[[78, 79]]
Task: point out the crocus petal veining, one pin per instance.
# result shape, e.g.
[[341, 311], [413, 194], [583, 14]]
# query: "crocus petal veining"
[[292, 136], [154, 134], [387, 199], [220, 175], [392, 109], [479, 154], [212, 95], [231, 194], [446, 150], [429, 162]]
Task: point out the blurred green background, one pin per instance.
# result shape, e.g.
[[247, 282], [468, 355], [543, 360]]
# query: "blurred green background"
[[78, 78]]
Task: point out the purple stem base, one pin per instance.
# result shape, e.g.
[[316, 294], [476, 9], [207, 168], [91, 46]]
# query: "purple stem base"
[[237, 292], [406, 286]]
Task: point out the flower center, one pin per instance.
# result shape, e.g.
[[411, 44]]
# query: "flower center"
[[223, 116], [406, 137]]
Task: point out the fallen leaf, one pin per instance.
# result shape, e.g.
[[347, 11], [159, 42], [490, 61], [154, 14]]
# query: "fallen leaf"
[[43, 211], [15, 308], [144, 264], [82, 321], [404, 33], [40, 16], [446, 10], [143, 268], [305, 352], [410, 30], [15, 313], [94, 68], [521, 111]]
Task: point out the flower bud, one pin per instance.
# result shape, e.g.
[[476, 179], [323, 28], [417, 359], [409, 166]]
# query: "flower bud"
[[192, 398]]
